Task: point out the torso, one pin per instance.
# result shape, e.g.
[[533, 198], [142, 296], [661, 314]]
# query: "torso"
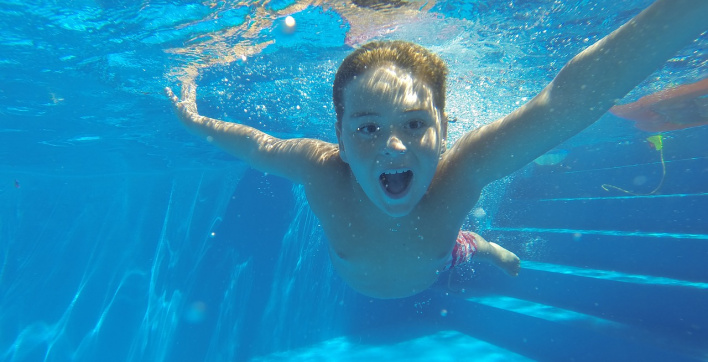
[[376, 254]]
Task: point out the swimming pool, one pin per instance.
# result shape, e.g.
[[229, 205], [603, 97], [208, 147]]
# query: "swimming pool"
[[124, 237]]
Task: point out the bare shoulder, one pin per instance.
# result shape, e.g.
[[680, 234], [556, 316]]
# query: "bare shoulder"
[[328, 182], [462, 162], [298, 159], [317, 163], [457, 183]]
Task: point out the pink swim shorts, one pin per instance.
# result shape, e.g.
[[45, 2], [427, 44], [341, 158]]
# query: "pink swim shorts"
[[464, 250]]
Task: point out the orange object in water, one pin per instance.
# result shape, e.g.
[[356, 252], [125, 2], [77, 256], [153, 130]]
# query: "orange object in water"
[[672, 109]]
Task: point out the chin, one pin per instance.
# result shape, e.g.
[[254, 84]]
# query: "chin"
[[397, 210], [398, 213]]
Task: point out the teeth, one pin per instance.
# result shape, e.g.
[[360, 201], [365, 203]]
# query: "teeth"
[[393, 172]]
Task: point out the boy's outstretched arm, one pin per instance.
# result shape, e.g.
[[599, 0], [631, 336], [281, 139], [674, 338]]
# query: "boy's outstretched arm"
[[295, 159], [581, 93]]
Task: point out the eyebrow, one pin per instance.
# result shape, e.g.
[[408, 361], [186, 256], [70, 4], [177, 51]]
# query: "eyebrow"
[[363, 114], [415, 110], [369, 113]]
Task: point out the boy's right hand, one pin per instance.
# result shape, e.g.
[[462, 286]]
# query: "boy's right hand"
[[186, 108]]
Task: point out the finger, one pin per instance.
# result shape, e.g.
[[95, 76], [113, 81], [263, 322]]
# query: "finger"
[[192, 92], [189, 91], [170, 94], [184, 91]]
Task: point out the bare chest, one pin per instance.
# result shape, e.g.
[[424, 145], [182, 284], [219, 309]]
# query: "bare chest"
[[387, 257]]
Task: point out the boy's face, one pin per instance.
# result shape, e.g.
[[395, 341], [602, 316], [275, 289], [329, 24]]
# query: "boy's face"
[[391, 135]]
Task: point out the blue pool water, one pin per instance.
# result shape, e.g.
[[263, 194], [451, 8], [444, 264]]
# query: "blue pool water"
[[125, 238]]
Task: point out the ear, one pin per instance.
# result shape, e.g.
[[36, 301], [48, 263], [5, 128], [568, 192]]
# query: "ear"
[[342, 152]]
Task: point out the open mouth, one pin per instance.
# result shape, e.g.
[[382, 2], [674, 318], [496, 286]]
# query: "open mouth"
[[396, 182]]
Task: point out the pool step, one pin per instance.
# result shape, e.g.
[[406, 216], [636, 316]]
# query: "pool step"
[[586, 306], [583, 176], [682, 215], [606, 275], [413, 343], [545, 332], [549, 312], [635, 253]]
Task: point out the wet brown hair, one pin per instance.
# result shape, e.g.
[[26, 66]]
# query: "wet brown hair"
[[421, 62]]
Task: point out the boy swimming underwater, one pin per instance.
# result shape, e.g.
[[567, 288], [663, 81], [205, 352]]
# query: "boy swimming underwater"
[[390, 198]]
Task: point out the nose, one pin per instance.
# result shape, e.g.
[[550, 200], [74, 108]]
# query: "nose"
[[394, 146]]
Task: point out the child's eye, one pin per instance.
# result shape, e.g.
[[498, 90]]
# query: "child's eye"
[[368, 129], [415, 124]]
